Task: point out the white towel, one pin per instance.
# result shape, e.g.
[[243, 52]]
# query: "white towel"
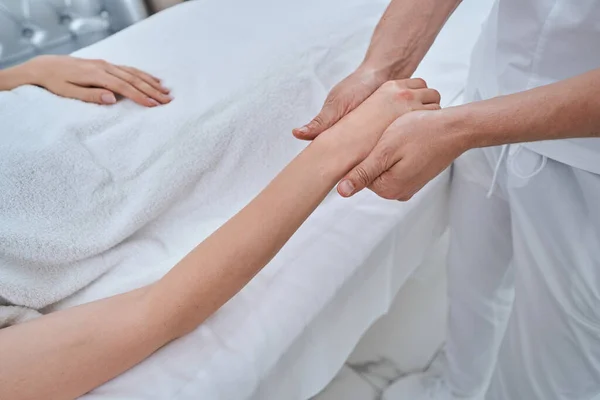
[[83, 186]]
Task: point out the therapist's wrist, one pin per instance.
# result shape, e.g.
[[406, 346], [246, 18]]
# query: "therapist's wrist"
[[383, 70], [467, 125]]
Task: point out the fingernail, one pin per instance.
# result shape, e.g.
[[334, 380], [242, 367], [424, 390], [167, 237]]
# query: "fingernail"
[[153, 102], [304, 129], [170, 97], [108, 98], [346, 188]]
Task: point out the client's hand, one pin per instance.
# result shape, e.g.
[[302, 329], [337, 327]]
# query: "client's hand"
[[413, 150], [392, 100], [95, 81]]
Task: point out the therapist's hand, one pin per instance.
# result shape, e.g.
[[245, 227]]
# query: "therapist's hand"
[[413, 150], [343, 98], [95, 81]]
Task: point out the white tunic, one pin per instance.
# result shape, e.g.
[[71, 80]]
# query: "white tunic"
[[530, 43]]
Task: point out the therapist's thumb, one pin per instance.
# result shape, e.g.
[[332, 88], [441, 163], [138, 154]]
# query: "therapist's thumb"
[[361, 176], [319, 124]]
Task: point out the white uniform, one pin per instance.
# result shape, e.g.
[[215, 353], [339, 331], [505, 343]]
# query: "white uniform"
[[537, 239]]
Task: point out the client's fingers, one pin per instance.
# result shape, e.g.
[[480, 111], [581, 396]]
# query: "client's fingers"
[[432, 106], [415, 83], [89, 95], [150, 79], [428, 96], [140, 85]]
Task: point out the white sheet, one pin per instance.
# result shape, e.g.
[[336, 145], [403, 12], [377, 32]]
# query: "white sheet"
[[265, 342]]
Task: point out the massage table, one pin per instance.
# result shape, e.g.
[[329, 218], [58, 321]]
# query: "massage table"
[[288, 332]]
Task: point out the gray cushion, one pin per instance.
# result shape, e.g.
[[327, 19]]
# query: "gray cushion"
[[31, 27]]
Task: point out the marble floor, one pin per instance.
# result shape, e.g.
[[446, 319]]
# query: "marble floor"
[[403, 341]]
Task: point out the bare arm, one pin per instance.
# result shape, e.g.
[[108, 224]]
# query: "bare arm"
[[404, 34], [562, 110], [401, 39], [67, 353]]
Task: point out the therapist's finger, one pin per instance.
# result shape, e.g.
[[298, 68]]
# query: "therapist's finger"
[[331, 113], [363, 175], [140, 84]]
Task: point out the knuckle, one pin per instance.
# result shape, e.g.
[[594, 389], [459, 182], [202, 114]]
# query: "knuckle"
[[404, 95], [384, 156], [136, 81], [318, 120], [123, 87], [398, 91], [361, 174]]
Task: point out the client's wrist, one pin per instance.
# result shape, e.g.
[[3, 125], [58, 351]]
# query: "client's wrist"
[[335, 157], [19, 75]]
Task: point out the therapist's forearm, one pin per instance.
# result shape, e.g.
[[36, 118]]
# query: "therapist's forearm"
[[562, 110], [16, 76], [67, 353], [404, 34]]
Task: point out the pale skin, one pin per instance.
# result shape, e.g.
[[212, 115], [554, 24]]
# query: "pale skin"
[[72, 351], [92, 81], [418, 146]]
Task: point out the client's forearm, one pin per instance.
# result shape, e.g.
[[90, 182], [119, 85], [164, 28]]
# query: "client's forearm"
[[16, 76], [67, 353], [230, 257]]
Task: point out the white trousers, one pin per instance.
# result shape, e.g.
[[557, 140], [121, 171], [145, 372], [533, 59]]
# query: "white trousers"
[[524, 278]]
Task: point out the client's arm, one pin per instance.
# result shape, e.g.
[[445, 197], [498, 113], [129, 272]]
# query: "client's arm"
[[67, 353]]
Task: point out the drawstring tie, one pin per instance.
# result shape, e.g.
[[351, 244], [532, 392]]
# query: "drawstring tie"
[[503, 154]]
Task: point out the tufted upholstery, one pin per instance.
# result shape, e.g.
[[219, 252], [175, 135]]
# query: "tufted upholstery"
[[31, 27]]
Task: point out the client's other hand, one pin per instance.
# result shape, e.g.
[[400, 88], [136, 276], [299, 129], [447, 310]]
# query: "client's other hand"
[[95, 81]]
